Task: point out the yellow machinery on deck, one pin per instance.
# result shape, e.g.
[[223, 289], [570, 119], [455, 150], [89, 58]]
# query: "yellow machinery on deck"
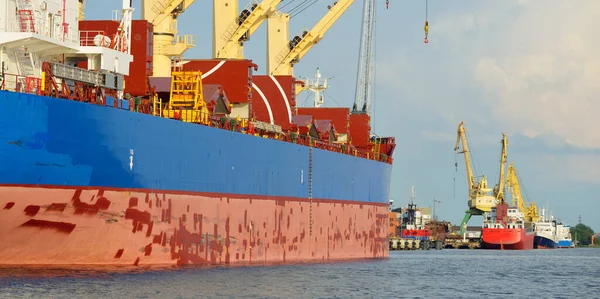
[[187, 99]]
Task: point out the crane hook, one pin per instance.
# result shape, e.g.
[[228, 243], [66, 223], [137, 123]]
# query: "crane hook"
[[387, 4], [426, 22], [426, 31]]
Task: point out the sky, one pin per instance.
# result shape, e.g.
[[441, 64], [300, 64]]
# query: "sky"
[[526, 68]]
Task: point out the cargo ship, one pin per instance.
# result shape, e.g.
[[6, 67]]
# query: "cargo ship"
[[546, 233], [564, 236], [105, 164], [505, 227]]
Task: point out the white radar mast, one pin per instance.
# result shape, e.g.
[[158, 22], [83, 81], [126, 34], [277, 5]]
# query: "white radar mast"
[[317, 86]]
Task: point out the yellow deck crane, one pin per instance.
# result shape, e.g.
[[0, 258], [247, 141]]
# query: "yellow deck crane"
[[283, 53], [529, 209], [168, 44], [479, 199], [232, 28]]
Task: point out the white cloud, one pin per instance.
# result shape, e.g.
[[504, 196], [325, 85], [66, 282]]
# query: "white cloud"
[[579, 167], [544, 75], [519, 67], [527, 68]]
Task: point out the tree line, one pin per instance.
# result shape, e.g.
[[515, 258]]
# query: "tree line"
[[583, 234]]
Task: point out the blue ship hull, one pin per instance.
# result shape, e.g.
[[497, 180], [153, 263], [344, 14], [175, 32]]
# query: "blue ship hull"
[[540, 242], [97, 185], [48, 141], [565, 243]]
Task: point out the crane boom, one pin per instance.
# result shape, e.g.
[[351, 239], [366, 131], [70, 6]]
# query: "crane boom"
[[162, 9], [229, 39], [499, 190], [301, 44], [462, 136], [530, 209], [364, 75]]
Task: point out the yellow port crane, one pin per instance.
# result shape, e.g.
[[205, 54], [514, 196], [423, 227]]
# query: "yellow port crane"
[[479, 199], [163, 15], [232, 28], [529, 209]]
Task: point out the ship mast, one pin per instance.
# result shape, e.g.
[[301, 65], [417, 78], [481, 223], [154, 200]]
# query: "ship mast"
[[317, 86], [122, 40]]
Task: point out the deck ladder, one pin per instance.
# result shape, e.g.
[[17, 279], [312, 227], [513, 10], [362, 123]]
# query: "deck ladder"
[[310, 185], [25, 15]]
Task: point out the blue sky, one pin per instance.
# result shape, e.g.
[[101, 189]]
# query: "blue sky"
[[528, 68]]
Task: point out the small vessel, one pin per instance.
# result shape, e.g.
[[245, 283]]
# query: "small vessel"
[[414, 220], [505, 227], [546, 233], [411, 231], [564, 236]]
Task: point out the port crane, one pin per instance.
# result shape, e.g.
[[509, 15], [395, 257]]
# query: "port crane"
[[163, 15], [480, 201], [232, 28], [529, 209]]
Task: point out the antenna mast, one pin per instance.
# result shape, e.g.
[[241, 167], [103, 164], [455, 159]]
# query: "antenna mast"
[[123, 38], [317, 86]]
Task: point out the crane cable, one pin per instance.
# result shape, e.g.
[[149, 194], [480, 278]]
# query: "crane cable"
[[300, 7], [455, 172], [426, 24]]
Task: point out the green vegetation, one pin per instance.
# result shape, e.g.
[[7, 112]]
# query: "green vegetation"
[[583, 234]]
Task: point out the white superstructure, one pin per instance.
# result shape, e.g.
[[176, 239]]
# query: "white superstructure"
[[37, 31], [546, 227]]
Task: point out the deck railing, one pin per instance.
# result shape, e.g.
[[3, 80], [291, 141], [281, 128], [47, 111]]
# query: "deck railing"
[[22, 84], [244, 126]]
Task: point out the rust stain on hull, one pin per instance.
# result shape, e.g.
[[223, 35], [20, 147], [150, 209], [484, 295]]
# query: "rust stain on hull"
[[116, 228]]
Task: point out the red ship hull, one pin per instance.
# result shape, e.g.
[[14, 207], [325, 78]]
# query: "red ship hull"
[[50, 226], [505, 238]]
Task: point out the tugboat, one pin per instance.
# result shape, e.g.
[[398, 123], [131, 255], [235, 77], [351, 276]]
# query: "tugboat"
[[413, 231]]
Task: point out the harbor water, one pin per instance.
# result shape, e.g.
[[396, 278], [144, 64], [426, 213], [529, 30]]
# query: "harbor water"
[[560, 273]]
